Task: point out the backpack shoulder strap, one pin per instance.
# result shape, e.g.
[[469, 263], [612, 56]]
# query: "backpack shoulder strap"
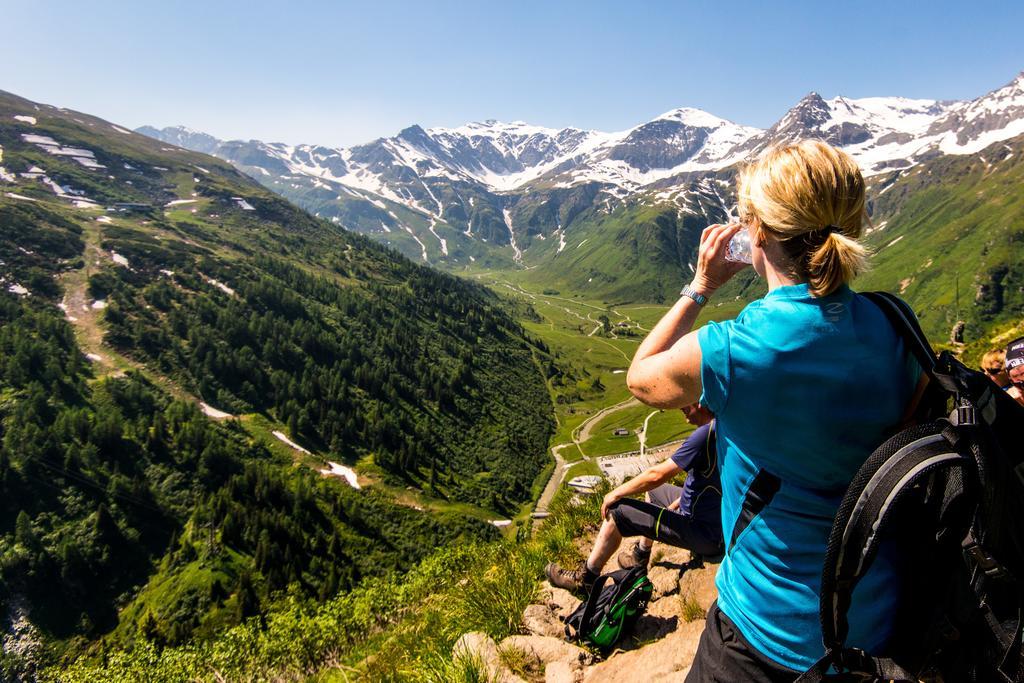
[[593, 599], [902, 317], [864, 514], [876, 669]]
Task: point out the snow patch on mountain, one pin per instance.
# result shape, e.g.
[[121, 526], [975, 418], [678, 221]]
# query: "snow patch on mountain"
[[512, 236], [423, 247]]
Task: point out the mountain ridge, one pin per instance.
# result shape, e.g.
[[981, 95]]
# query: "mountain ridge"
[[460, 197]]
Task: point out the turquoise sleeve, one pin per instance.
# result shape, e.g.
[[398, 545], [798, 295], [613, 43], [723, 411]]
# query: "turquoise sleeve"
[[715, 366]]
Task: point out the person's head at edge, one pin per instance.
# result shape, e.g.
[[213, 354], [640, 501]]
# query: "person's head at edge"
[[1015, 362], [804, 205], [697, 415], [992, 364]]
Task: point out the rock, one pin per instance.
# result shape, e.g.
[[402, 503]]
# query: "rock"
[[548, 649], [699, 584], [541, 620], [558, 660], [562, 602], [662, 661], [664, 572], [560, 672], [480, 646]]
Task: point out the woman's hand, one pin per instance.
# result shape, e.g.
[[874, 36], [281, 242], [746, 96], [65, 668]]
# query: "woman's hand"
[[713, 270], [611, 498]]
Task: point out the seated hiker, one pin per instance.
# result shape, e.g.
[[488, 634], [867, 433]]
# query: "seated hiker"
[[1015, 369], [687, 516], [992, 364]]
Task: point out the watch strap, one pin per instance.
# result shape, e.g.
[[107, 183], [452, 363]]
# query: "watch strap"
[[694, 294]]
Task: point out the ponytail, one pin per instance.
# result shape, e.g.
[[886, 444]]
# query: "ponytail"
[[837, 261]]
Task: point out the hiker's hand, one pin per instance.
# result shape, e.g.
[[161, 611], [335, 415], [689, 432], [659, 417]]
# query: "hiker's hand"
[[713, 270], [1014, 393], [611, 498]]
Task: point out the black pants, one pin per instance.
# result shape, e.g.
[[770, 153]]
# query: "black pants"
[[652, 520], [725, 656]]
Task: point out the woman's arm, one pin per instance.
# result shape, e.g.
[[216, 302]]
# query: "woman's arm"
[[665, 372], [651, 478]]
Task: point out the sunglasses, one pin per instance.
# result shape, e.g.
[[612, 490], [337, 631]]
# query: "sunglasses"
[[993, 371]]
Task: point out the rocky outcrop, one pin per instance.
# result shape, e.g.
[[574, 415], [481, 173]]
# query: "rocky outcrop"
[[660, 647]]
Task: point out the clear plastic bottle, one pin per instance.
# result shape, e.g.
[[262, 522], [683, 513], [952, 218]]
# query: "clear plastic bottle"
[[738, 249]]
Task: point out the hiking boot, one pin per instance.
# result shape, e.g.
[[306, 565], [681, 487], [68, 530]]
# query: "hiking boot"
[[574, 580], [636, 556]]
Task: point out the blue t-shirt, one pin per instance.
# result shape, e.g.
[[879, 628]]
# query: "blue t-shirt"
[[804, 388], [701, 497]]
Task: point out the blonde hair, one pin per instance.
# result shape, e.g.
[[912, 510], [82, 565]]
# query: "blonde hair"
[[997, 355], [810, 197]]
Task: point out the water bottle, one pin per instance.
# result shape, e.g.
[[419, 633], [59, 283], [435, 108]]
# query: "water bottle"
[[738, 249]]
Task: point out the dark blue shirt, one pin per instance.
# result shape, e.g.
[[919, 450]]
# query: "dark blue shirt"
[[702, 493]]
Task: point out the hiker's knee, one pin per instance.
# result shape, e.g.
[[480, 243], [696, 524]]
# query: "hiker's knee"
[[617, 513]]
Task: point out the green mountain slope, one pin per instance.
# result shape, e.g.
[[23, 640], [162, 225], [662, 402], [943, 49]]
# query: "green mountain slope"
[[954, 223], [951, 223], [125, 510], [638, 251]]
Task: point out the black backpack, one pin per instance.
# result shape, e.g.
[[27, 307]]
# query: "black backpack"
[[616, 601], [948, 494]]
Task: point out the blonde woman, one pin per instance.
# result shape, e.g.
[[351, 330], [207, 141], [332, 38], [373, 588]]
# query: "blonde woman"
[[993, 364], [805, 383]]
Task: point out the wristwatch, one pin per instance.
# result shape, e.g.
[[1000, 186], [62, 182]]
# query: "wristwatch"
[[694, 294]]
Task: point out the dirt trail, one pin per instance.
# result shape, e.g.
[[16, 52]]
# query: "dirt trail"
[[78, 307], [86, 317], [551, 488]]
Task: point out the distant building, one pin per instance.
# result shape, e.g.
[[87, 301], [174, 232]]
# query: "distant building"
[[621, 431], [584, 483]]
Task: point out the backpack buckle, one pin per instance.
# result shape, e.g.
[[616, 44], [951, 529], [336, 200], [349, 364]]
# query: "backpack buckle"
[[983, 558], [963, 415], [853, 660]]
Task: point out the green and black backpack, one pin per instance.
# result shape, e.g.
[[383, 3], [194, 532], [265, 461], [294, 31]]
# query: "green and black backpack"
[[616, 601]]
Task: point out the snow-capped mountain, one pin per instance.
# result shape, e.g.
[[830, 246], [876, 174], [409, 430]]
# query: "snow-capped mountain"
[[441, 192], [969, 127], [880, 132]]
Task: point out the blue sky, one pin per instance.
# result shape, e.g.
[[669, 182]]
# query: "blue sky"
[[341, 73]]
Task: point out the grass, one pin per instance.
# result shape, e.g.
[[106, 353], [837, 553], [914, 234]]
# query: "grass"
[[667, 426], [663, 427], [521, 663], [564, 327], [584, 467], [690, 609], [462, 669]]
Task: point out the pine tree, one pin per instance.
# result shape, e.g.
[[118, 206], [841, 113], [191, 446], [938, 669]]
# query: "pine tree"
[[248, 603]]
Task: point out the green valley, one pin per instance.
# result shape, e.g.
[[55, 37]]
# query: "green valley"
[[144, 286]]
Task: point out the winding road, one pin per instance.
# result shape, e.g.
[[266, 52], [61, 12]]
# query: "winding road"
[[579, 435]]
